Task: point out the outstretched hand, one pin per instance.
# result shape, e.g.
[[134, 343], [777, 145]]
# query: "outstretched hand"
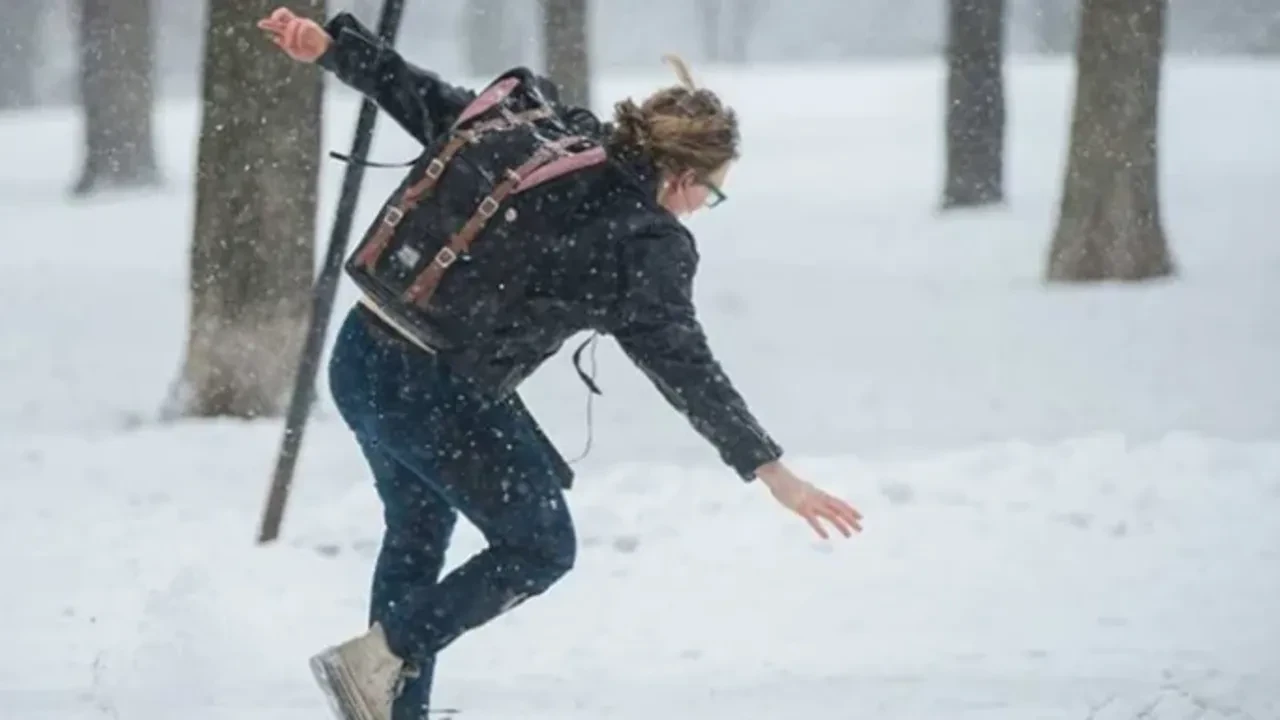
[[301, 38], [809, 502]]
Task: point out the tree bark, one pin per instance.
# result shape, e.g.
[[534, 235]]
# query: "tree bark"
[[253, 252], [20, 36], [566, 47], [975, 117], [1109, 225], [118, 96]]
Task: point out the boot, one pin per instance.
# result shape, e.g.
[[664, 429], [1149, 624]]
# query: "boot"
[[361, 677]]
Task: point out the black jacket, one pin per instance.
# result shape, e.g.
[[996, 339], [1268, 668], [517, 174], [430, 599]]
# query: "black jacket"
[[625, 269]]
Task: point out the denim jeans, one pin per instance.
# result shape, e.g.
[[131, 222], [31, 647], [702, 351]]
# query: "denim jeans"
[[438, 447]]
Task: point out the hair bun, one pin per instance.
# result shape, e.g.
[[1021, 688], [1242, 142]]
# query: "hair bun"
[[631, 126], [679, 128]]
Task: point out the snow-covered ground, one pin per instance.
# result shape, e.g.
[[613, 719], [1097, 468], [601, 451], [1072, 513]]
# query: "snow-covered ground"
[[1072, 495]]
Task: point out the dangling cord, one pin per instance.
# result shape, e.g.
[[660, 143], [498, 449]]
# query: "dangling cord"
[[592, 388], [367, 163]]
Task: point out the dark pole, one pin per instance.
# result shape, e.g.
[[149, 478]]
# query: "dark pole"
[[322, 300]]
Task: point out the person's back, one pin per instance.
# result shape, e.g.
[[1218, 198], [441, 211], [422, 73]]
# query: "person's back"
[[559, 259], [424, 370], [567, 260]]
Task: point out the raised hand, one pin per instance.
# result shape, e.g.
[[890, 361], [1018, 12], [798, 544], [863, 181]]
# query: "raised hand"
[[301, 38]]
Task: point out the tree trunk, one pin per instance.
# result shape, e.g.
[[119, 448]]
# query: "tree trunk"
[[743, 25], [1264, 39], [20, 36], [975, 116], [253, 253], [726, 28], [567, 49], [1109, 222], [117, 93], [709, 14]]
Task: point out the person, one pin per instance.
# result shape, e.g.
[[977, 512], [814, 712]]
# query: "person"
[[445, 432]]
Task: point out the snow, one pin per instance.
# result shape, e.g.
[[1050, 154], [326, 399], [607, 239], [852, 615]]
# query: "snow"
[[1071, 494]]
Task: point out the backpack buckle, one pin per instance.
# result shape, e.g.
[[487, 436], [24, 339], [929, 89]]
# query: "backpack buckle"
[[435, 168], [445, 257], [393, 216], [488, 207]]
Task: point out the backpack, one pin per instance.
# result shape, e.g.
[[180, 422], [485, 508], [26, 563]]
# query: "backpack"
[[499, 184]]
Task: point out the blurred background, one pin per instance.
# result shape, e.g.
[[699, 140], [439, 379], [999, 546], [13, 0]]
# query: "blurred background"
[[1004, 273], [483, 36]]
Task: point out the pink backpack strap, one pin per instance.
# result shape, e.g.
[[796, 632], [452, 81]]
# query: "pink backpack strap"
[[492, 95], [563, 165]]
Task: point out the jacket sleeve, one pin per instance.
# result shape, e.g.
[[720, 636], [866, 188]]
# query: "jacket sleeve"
[[422, 103], [659, 330]]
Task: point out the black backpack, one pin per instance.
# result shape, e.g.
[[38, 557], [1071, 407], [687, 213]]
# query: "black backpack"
[[500, 183]]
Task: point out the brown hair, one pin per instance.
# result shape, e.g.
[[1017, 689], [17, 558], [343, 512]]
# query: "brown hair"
[[680, 128]]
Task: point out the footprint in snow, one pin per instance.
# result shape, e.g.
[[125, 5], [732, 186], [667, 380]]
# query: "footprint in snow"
[[1077, 519], [897, 493], [626, 543]]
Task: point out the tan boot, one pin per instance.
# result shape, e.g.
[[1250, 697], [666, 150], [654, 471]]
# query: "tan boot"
[[361, 677]]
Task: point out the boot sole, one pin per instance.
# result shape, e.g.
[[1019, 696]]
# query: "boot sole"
[[334, 680]]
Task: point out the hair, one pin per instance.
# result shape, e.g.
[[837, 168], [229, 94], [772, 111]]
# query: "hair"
[[680, 128]]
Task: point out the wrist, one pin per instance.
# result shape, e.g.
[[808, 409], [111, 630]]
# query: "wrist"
[[770, 472]]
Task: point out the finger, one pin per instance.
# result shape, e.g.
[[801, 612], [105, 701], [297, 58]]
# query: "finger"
[[832, 516], [282, 15], [842, 513], [284, 47], [813, 523], [844, 509], [848, 513], [295, 35], [274, 21]]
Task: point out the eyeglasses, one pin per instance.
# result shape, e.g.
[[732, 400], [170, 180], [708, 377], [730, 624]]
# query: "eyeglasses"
[[715, 196]]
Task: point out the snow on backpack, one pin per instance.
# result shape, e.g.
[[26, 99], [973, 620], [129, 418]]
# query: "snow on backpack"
[[497, 186]]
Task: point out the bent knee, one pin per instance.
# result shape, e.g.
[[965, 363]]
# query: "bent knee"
[[562, 551], [551, 553]]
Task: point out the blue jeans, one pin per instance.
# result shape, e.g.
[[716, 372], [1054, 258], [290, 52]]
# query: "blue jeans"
[[436, 447]]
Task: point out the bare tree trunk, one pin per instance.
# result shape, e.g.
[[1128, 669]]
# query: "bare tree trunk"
[[726, 28], [116, 89], [1109, 223], [710, 13], [975, 117], [1262, 17], [567, 49], [253, 253], [492, 43], [20, 52], [743, 24]]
